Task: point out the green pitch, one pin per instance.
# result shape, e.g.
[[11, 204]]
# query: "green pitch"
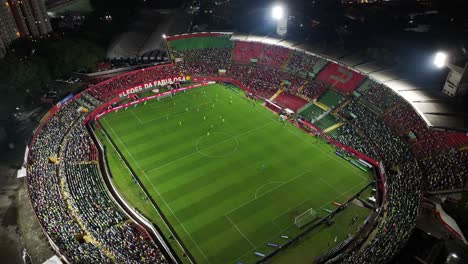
[[226, 173]]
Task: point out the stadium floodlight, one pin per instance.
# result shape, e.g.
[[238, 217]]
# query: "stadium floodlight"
[[440, 59], [277, 12]]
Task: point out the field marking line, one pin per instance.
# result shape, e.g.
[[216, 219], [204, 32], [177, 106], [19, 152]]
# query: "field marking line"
[[273, 236], [235, 226], [159, 194], [329, 185], [265, 184], [269, 191], [226, 140], [273, 220], [139, 120], [354, 170], [148, 195], [196, 152]]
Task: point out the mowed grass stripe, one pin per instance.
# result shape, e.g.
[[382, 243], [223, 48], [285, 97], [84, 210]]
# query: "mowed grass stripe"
[[202, 186]]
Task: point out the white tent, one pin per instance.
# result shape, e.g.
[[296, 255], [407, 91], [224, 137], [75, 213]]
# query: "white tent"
[[53, 260]]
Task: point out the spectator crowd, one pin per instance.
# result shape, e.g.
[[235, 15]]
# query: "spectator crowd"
[[71, 201]]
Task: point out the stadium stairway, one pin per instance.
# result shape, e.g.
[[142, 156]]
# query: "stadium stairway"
[[319, 66], [286, 61], [276, 94], [370, 107], [302, 86], [331, 98], [322, 106], [335, 126], [304, 107], [463, 148], [390, 109], [341, 106], [88, 235]]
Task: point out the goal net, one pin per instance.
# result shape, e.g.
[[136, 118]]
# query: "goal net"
[[305, 218]]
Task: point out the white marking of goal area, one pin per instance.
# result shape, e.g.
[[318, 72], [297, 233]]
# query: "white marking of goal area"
[[283, 229]]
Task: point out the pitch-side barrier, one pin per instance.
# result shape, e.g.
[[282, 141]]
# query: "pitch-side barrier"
[[149, 98]]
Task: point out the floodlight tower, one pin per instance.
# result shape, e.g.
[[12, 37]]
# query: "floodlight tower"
[[457, 78], [280, 14]]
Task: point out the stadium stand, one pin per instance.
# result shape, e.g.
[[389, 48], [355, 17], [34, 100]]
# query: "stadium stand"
[[446, 171], [313, 89], [311, 112], [290, 101], [365, 133], [274, 56], [325, 122], [203, 41], [425, 142], [366, 85], [70, 201], [304, 65], [330, 98], [378, 98], [83, 222], [107, 89], [244, 51], [342, 79], [219, 56]]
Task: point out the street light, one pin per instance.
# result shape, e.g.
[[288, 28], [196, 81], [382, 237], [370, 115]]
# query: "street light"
[[440, 59], [277, 12]]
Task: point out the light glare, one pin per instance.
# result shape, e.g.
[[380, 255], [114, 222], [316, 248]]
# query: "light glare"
[[277, 12], [440, 59]]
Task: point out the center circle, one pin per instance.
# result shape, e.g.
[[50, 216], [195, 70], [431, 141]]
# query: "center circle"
[[217, 145]]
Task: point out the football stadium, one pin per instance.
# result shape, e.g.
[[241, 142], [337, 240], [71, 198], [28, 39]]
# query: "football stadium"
[[237, 151]]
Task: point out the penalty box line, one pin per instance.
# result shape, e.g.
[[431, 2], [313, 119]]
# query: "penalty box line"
[[284, 229], [159, 194], [238, 230], [138, 119], [233, 210], [272, 189], [340, 161]]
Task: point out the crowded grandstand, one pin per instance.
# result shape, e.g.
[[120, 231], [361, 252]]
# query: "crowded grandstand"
[[86, 222]]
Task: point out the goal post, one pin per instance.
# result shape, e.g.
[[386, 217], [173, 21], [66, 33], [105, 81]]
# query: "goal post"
[[305, 218]]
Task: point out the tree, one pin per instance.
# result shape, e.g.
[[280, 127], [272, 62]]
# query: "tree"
[[21, 75]]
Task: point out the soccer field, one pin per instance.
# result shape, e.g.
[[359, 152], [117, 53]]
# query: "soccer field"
[[226, 173]]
